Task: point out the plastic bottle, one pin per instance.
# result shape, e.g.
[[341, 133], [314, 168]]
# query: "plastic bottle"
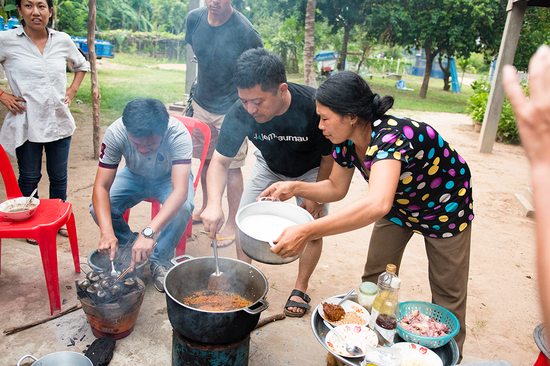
[[384, 283], [386, 322], [367, 294]]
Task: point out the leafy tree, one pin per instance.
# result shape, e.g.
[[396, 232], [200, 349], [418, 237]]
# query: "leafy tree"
[[464, 64], [72, 18], [8, 9], [440, 27], [363, 44], [169, 15], [288, 43], [534, 32], [121, 14], [143, 8], [344, 14], [480, 63]]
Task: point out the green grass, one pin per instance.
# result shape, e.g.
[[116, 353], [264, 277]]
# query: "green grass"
[[141, 60], [118, 87], [436, 100]]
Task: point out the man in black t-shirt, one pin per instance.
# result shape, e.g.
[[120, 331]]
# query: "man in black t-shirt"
[[218, 34], [280, 119]]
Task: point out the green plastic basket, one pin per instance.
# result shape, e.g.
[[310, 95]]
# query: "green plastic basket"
[[438, 313]]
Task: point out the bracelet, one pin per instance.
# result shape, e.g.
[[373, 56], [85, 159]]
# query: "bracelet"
[[2, 93]]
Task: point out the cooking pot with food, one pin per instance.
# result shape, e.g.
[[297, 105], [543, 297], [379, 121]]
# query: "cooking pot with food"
[[63, 358], [191, 276], [262, 222]]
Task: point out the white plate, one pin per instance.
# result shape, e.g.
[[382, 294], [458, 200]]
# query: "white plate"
[[348, 306], [355, 335], [414, 352]]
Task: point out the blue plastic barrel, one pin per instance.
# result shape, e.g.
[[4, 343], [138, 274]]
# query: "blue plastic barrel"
[[12, 22], [1, 23]]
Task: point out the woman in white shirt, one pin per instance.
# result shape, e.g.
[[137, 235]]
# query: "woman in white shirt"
[[34, 58]]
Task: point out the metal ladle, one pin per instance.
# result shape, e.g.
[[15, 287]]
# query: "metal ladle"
[[218, 280], [353, 350]]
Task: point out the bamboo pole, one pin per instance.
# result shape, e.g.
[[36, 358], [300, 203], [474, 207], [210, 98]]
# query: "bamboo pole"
[[96, 97]]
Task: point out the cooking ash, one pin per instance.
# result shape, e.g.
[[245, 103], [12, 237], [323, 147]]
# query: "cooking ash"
[[71, 329]]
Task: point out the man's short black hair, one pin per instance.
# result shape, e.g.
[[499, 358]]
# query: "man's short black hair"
[[144, 117], [258, 66]]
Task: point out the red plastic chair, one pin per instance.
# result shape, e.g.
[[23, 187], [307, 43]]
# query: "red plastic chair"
[[43, 226], [191, 124]]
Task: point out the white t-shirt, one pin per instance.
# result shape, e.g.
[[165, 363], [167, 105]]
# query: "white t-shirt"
[[175, 148]]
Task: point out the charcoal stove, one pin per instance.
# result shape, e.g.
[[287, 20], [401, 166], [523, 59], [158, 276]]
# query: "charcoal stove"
[[186, 352]]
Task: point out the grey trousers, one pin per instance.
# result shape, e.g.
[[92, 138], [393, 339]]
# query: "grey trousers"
[[448, 265]]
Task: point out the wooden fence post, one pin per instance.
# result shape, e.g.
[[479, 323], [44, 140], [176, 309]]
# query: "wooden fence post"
[[96, 97]]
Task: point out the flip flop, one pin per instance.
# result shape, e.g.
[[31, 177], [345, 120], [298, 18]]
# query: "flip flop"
[[196, 221], [295, 304], [63, 232], [229, 240]]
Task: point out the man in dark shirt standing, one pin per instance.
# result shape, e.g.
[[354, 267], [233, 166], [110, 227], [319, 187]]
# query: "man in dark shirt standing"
[[280, 119], [219, 34]]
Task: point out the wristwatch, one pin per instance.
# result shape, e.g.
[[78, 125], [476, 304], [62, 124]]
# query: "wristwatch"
[[148, 233]]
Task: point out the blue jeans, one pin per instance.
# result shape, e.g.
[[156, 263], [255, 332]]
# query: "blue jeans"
[[128, 190], [29, 160]]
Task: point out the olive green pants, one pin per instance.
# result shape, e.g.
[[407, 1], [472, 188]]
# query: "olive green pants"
[[448, 265]]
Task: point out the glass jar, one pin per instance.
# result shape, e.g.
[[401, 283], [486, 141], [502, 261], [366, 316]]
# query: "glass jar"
[[367, 294]]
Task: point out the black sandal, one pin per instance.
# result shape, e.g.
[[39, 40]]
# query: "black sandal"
[[294, 304]]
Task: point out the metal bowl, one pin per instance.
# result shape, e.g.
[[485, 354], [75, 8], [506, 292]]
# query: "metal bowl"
[[17, 203], [253, 242]]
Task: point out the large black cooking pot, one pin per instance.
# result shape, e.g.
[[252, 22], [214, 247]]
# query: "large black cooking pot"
[[214, 327]]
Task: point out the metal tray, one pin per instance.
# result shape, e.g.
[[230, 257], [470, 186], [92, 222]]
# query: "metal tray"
[[448, 353]]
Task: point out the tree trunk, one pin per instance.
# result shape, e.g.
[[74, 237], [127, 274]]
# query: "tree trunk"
[[96, 97], [139, 19], [366, 49], [446, 73], [428, 69], [309, 44], [342, 60], [54, 18]]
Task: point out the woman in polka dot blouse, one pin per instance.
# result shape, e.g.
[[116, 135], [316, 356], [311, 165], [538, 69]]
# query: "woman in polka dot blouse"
[[418, 183]]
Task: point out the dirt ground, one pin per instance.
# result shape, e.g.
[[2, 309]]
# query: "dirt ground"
[[503, 305]]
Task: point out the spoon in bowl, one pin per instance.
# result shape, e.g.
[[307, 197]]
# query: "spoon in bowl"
[[27, 202], [352, 350], [346, 296]]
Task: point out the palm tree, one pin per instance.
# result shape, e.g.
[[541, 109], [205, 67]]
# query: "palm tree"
[[309, 44]]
